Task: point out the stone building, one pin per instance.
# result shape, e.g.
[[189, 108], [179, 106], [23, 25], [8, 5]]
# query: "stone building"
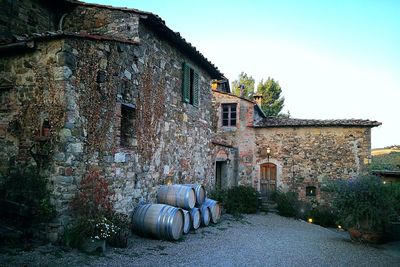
[[290, 154], [87, 86]]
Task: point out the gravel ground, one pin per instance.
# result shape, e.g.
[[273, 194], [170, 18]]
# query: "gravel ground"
[[255, 240]]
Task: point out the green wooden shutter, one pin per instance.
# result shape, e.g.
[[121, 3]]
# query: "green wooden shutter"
[[186, 83], [196, 89]]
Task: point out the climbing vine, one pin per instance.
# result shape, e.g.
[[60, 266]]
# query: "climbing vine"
[[97, 94], [42, 106], [151, 108]]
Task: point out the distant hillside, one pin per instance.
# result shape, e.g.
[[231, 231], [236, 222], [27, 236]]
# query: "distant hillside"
[[385, 159], [385, 150]]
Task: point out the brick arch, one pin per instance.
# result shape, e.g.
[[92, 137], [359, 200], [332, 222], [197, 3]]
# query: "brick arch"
[[222, 155]]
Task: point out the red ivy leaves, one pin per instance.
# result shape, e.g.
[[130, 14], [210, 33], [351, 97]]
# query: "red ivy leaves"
[[94, 198]]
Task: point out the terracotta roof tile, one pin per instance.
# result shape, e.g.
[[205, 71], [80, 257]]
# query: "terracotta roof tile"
[[159, 26], [292, 122]]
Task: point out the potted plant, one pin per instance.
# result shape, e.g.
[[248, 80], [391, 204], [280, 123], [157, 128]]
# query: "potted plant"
[[96, 221], [364, 206], [96, 232]]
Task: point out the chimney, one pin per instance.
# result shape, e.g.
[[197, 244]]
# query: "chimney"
[[258, 97]]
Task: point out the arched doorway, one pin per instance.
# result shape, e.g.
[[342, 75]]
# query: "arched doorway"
[[268, 179]]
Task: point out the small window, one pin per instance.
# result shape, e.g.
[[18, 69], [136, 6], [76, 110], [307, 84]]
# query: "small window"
[[190, 86], [229, 114], [128, 118], [311, 191]]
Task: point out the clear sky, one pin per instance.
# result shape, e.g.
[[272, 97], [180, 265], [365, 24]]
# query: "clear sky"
[[333, 59]]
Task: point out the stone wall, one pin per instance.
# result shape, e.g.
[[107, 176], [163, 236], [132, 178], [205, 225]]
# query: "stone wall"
[[82, 86], [103, 21], [25, 16], [304, 156], [26, 79], [240, 137], [312, 156]]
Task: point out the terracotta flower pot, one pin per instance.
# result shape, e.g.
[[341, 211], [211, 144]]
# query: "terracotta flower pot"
[[367, 236]]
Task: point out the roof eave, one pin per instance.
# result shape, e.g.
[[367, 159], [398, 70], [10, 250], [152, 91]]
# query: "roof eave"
[[158, 26]]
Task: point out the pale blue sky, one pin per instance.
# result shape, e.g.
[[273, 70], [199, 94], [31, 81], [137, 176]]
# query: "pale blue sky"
[[333, 59]]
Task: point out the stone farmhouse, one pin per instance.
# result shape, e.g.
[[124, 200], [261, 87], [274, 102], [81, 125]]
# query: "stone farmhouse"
[[89, 86], [272, 153], [85, 86]]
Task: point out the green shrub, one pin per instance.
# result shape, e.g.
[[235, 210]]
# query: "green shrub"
[[25, 186], [390, 161], [238, 199], [323, 215], [219, 195], [394, 190], [364, 203], [287, 203]]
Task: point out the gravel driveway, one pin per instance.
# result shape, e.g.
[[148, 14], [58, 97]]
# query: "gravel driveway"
[[255, 240]]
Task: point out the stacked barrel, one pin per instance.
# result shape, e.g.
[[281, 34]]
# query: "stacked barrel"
[[180, 208]]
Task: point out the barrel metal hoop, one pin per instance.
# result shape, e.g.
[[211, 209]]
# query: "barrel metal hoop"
[[159, 217], [144, 211], [177, 194]]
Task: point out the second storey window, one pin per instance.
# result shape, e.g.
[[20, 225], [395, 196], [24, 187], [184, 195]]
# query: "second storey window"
[[190, 85], [228, 114]]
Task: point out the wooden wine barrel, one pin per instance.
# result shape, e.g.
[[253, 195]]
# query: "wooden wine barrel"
[[195, 218], [215, 209], [201, 193], [177, 195], [158, 220], [186, 222], [205, 215]]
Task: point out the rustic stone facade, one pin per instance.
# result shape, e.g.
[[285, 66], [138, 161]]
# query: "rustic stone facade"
[[111, 89], [109, 84], [312, 156], [21, 17], [305, 153]]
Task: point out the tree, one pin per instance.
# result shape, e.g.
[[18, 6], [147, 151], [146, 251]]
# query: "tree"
[[272, 102], [247, 83]]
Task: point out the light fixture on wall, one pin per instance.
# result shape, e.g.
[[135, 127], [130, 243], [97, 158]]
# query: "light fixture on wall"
[[228, 161], [268, 152]]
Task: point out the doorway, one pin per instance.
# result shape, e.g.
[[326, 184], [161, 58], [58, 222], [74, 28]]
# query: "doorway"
[[268, 180], [220, 174]]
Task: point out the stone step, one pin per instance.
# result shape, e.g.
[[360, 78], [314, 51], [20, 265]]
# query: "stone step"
[[273, 211]]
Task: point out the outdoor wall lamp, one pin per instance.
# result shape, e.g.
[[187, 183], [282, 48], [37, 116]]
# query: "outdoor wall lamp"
[[268, 152], [228, 161]]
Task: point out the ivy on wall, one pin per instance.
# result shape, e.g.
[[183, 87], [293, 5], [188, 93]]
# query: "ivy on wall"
[[41, 105], [97, 94], [151, 108]]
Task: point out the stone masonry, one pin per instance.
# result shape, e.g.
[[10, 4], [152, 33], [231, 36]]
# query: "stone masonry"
[[305, 152], [97, 82]]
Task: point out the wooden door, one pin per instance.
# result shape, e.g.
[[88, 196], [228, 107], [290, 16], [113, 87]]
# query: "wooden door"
[[268, 179]]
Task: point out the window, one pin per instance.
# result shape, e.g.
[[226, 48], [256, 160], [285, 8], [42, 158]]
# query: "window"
[[128, 117], [190, 85], [228, 114], [311, 191]]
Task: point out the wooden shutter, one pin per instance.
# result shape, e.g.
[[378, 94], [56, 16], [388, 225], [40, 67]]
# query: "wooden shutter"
[[196, 89], [186, 83]]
